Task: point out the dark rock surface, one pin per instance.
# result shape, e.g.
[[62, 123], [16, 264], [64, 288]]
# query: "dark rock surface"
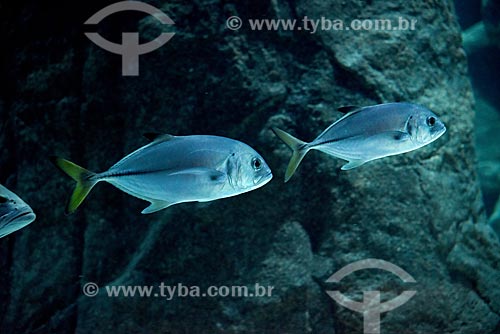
[[494, 219], [491, 18], [481, 43], [485, 32], [487, 128], [422, 211]]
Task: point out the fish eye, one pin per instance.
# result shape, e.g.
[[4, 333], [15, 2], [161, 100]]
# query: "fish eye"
[[3, 199], [431, 121], [256, 164]]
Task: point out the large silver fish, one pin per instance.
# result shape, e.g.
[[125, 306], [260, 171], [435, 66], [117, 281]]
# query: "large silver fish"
[[369, 133], [176, 169], [14, 212]]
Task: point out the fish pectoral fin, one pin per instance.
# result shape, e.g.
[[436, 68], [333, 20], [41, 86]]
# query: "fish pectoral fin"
[[353, 164], [157, 206], [212, 175], [400, 135]]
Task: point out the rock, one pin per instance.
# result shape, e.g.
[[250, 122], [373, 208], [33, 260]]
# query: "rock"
[[479, 42], [487, 138], [421, 211], [475, 256], [491, 18], [494, 220], [484, 33], [476, 38]]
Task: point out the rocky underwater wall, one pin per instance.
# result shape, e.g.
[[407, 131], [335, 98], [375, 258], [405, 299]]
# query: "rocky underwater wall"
[[421, 211]]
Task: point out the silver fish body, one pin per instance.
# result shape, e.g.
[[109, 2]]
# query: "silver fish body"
[[370, 133], [14, 212], [177, 169]]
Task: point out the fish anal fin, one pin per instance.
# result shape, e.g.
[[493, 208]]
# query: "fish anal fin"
[[353, 164], [156, 206], [154, 136], [348, 109]]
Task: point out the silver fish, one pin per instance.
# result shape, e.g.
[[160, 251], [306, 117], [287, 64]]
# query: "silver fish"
[[369, 133], [14, 212], [176, 169]]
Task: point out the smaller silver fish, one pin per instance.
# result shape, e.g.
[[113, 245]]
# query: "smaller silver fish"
[[14, 212], [369, 133], [176, 169]]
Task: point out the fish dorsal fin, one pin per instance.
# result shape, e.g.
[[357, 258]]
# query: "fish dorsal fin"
[[348, 109], [154, 136]]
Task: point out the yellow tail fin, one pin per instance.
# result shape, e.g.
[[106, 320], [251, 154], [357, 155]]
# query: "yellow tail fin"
[[84, 181], [298, 147]]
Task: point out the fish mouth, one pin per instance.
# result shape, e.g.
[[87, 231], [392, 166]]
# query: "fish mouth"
[[266, 178], [30, 215], [441, 132], [262, 180], [17, 222]]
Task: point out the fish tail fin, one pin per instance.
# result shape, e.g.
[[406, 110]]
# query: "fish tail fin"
[[84, 181], [298, 147]]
